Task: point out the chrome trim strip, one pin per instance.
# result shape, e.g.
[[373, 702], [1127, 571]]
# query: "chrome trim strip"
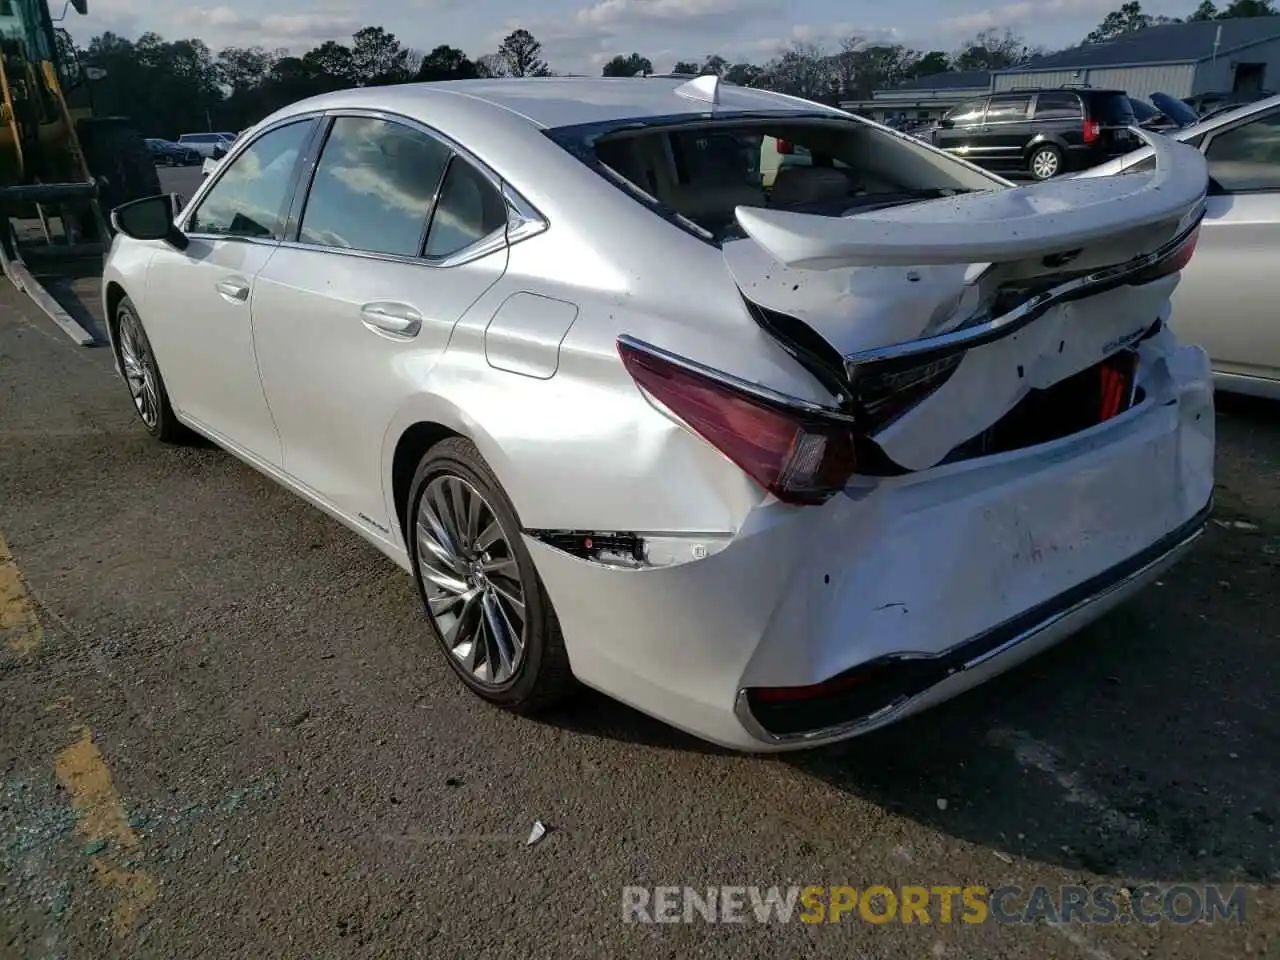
[[1132, 582], [999, 327], [764, 393]]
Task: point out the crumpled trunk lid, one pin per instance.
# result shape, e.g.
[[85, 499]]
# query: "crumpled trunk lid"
[[1012, 289]]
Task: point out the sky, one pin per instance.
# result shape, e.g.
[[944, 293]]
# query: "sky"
[[579, 35]]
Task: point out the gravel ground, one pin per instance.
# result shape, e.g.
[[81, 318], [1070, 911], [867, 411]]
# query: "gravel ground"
[[224, 736]]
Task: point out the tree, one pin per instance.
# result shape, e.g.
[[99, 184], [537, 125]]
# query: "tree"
[[993, 50], [1206, 11], [933, 62], [446, 63], [522, 55], [686, 66], [744, 74], [1247, 8], [243, 68], [802, 71], [628, 66], [491, 65], [377, 57], [1119, 22], [332, 64], [714, 65]]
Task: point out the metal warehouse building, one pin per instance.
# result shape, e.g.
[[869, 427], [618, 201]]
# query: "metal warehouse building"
[[923, 98], [1181, 59]]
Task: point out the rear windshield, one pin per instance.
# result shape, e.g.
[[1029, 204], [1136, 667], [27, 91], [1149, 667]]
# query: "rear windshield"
[[1112, 109], [698, 173]]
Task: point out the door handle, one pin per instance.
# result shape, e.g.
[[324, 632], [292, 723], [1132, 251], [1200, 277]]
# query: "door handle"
[[398, 319], [233, 289]]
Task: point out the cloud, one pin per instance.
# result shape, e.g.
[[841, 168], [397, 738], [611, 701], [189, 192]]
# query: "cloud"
[[826, 36], [1020, 14], [670, 13], [294, 30]]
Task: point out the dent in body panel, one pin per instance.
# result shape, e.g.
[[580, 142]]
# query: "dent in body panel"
[[525, 334]]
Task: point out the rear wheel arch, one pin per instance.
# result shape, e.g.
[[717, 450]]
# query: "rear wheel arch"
[[410, 448], [1043, 140], [115, 294]]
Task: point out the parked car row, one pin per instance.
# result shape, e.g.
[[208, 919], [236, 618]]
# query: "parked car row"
[[166, 153], [779, 465]]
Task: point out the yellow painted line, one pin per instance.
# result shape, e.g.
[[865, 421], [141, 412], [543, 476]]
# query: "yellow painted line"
[[20, 628], [101, 822]]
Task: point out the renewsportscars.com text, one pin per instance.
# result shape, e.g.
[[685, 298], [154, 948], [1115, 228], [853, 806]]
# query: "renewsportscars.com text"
[[1147, 904]]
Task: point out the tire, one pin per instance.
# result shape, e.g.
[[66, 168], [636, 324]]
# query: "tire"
[[1045, 162], [527, 680], [119, 160], [142, 376]]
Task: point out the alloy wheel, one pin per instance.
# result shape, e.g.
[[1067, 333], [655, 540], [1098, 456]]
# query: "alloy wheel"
[[139, 369], [469, 572], [1045, 164]]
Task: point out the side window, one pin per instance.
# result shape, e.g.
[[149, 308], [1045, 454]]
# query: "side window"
[[250, 197], [1057, 106], [967, 113], [1007, 109], [470, 208], [1247, 158], [373, 187]]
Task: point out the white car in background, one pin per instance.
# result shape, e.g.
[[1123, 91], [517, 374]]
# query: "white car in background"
[[207, 144], [1229, 296]]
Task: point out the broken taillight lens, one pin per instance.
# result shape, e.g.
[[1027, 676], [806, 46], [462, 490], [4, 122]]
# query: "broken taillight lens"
[[1171, 263], [798, 456]]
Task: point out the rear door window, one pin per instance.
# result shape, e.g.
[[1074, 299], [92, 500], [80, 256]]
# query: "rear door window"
[[1113, 110], [1247, 159], [967, 114], [1008, 109], [1057, 106], [470, 208], [374, 187]]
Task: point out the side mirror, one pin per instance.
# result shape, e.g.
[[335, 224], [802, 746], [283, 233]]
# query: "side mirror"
[[150, 218], [208, 167], [946, 123]]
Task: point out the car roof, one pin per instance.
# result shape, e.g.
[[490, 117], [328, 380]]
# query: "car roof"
[[1083, 91], [549, 102]]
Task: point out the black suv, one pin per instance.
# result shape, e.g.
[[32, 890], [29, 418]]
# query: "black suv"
[[1043, 132]]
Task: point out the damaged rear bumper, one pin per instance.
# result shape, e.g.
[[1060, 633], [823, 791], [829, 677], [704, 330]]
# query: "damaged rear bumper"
[[971, 662], [972, 566]]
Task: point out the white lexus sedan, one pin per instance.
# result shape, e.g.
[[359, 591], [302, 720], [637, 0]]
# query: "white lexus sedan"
[[778, 466]]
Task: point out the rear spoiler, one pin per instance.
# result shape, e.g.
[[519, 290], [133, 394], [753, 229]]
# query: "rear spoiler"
[[996, 226]]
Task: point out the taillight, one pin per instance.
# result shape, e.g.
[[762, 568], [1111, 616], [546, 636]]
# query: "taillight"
[[1092, 130], [786, 146], [799, 456], [1171, 263], [883, 396]]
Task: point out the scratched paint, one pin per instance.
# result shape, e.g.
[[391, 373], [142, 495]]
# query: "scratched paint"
[[20, 628], [104, 829]]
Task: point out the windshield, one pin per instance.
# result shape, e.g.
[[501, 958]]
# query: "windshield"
[[699, 172]]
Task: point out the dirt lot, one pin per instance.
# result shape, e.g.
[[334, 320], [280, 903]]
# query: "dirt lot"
[[224, 736]]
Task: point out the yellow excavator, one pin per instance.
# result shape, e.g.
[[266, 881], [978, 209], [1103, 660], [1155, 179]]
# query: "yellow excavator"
[[62, 169]]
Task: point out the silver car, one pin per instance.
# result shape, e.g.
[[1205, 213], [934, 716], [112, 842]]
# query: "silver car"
[[1227, 298], [776, 466]]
